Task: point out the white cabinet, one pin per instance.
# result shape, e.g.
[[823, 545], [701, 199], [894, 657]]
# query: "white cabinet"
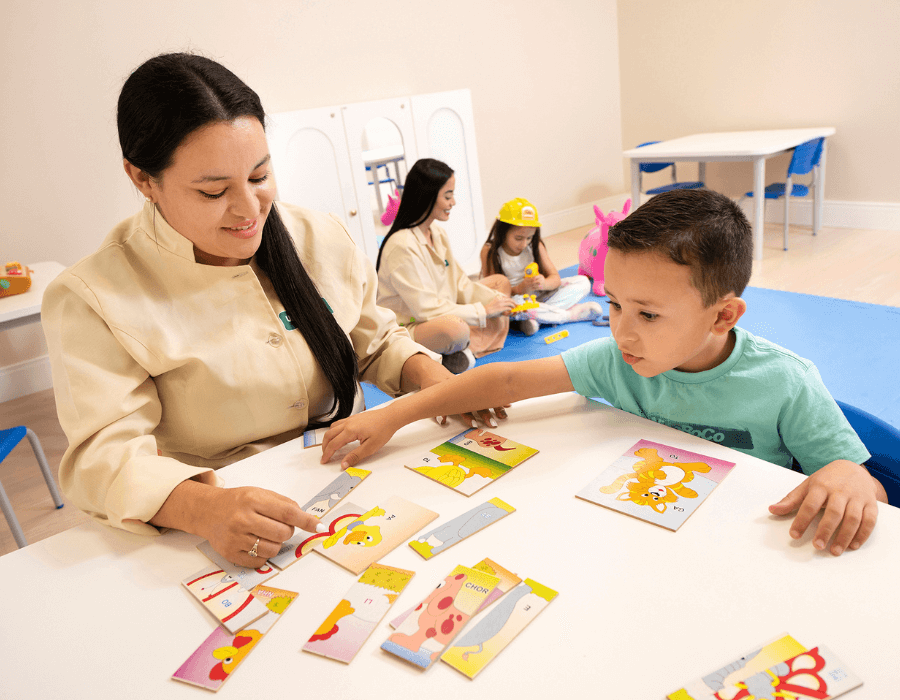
[[319, 157]]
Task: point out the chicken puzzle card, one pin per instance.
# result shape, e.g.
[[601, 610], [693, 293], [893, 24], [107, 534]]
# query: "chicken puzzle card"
[[660, 484], [216, 659], [350, 624], [357, 538], [439, 618], [329, 497], [493, 630], [471, 460], [448, 534]]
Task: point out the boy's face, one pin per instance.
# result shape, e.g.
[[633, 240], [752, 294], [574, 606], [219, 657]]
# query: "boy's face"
[[657, 316]]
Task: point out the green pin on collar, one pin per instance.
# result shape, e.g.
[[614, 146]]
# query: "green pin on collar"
[[328, 306]]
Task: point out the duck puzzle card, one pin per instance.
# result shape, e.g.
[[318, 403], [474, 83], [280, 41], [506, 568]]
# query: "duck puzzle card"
[[471, 460], [439, 618], [216, 659], [302, 543], [448, 534], [230, 603], [494, 629], [329, 497], [349, 625], [358, 538], [660, 484]]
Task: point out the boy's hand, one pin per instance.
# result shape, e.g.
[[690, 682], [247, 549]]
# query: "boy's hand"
[[847, 493], [372, 428]]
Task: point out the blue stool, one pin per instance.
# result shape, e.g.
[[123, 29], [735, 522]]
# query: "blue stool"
[[882, 440], [8, 440]]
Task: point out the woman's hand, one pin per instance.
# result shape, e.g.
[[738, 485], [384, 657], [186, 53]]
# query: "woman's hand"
[[500, 305]]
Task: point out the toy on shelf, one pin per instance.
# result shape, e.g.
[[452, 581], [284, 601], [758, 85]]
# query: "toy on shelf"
[[556, 336], [531, 270], [529, 301], [390, 211], [16, 280], [593, 249]]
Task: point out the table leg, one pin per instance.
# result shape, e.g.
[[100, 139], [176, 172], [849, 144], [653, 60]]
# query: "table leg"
[[759, 206], [375, 181], [701, 172], [819, 192], [635, 184]]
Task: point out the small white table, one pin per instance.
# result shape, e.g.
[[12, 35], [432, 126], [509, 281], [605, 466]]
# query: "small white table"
[[21, 309], [375, 158], [753, 146]]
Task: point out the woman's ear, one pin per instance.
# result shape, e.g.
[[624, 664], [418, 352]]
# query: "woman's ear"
[[731, 308], [141, 180]]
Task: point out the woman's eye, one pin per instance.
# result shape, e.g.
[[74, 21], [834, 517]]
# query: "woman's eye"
[[212, 196], [258, 180]]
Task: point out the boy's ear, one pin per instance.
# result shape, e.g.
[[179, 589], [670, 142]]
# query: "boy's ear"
[[731, 309]]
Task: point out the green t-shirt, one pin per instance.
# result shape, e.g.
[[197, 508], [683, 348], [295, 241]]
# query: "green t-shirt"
[[763, 400]]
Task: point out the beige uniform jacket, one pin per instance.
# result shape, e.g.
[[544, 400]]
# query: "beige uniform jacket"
[[165, 368], [419, 282]]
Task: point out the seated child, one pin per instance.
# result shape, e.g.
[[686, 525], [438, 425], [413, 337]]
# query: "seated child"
[[674, 275], [513, 244]]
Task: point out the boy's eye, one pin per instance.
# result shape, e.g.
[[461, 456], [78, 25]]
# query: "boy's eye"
[[614, 305], [649, 316]]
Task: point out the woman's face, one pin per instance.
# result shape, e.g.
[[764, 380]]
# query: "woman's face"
[[219, 190], [445, 201]]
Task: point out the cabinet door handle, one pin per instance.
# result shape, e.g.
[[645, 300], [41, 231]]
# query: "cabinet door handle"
[[353, 212]]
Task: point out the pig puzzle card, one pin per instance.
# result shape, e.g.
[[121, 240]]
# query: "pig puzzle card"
[[302, 543], [753, 662], [230, 603], [370, 535], [244, 575], [471, 460], [494, 629], [216, 659], [329, 497], [816, 673], [349, 625], [439, 618], [508, 581], [446, 535], [660, 484]]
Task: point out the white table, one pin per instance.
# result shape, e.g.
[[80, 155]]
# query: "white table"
[[753, 146], [375, 158], [21, 309], [99, 613]]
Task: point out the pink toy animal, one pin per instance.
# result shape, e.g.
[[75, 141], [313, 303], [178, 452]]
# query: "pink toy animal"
[[390, 211], [593, 249]]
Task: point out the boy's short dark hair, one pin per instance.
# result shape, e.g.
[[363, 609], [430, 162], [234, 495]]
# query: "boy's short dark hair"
[[699, 228]]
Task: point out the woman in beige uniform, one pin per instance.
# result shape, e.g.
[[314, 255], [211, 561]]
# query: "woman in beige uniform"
[[211, 325]]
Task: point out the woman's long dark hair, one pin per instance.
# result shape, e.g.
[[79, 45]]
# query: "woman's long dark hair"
[[495, 242], [164, 101], [420, 192]]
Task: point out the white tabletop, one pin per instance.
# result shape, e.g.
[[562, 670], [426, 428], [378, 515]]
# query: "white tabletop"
[[383, 154], [20, 308], [731, 145], [99, 613]]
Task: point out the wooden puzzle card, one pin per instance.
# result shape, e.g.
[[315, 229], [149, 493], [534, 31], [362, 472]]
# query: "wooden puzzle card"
[[314, 437], [494, 629], [357, 542], [329, 497], [660, 484], [448, 534], [753, 662], [350, 624], [216, 659], [302, 543], [230, 603], [471, 460], [439, 618], [244, 575], [816, 673]]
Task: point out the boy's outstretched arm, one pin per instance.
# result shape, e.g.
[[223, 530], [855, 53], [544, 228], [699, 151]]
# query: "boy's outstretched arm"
[[495, 384], [848, 494]]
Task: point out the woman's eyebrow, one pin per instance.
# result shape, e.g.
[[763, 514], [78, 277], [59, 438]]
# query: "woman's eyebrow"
[[215, 178]]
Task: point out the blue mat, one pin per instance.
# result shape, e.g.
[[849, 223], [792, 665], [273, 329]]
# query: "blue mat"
[[856, 346]]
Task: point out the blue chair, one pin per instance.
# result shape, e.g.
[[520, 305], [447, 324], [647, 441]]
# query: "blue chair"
[[882, 440], [8, 440], [655, 168], [805, 160]]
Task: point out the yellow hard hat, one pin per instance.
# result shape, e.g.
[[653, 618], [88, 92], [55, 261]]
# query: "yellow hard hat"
[[519, 212]]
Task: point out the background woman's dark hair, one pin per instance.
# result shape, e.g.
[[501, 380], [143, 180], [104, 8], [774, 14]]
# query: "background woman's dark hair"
[[164, 101], [420, 193], [495, 241]]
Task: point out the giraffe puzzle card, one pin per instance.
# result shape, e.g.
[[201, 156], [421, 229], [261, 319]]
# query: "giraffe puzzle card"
[[471, 460], [439, 618], [357, 538], [329, 497], [660, 484], [216, 659], [349, 625], [493, 630], [448, 534]]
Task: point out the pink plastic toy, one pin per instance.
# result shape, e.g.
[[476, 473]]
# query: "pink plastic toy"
[[390, 211], [593, 248]]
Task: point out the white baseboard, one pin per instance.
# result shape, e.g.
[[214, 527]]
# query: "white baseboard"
[[582, 215], [870, 216], [25, 378]]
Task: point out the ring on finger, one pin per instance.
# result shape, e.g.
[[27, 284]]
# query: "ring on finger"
[[253, 552]]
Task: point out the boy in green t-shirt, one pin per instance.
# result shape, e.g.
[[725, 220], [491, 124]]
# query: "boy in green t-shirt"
[[674, 275]]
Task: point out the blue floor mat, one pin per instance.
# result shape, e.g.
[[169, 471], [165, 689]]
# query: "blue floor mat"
[[855, 346]]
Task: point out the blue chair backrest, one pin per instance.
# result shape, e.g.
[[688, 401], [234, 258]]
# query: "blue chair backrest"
[[651, 167], [806, 157], [882, 440]]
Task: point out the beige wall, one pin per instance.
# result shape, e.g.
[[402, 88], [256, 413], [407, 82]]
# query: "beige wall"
[[723, 65]]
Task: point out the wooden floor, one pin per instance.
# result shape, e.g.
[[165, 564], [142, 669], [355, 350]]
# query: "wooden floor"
[[842, 263]]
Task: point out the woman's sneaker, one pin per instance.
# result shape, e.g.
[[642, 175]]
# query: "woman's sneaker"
[[527, 327], [458, 362]]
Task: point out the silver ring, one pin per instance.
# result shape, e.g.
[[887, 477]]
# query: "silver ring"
[[253, 552]]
